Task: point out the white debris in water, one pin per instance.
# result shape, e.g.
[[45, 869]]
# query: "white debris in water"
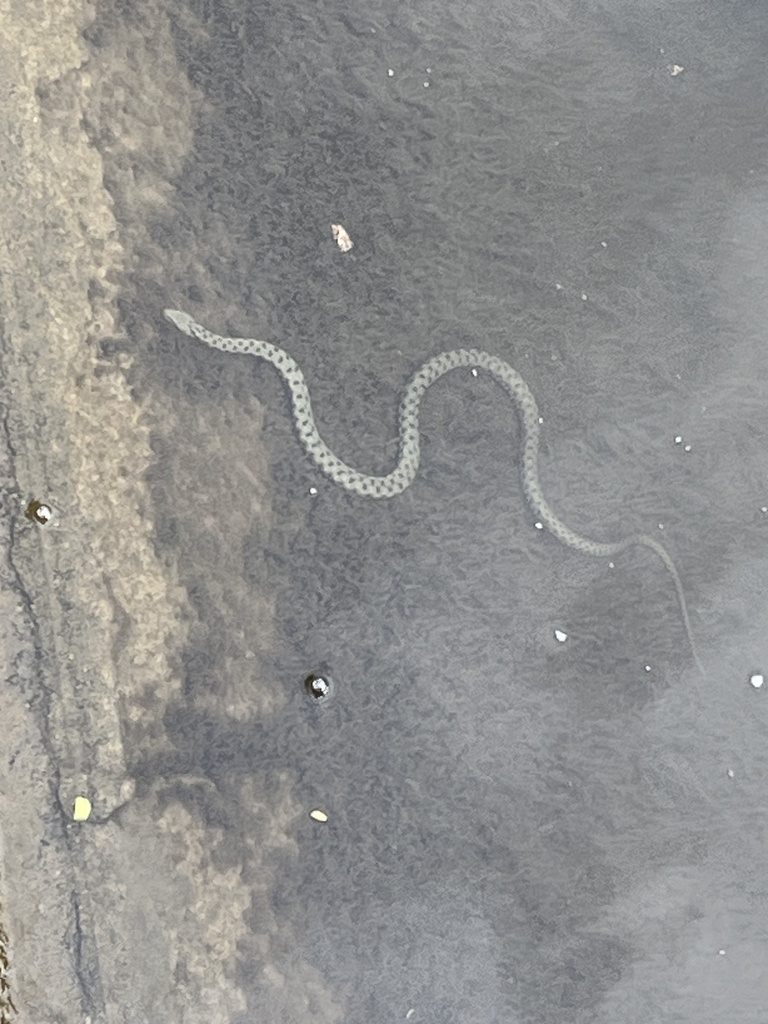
[[390, 72], [560, 636], [676, 69], [538, 526], [584, 296], [313, 491], [756, 680], [341, 237], [318, 815], [474, 371], [647, 668], [729, 773], [678, 439]]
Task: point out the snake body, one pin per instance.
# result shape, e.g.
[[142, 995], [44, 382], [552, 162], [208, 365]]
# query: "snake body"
[[409, 449]]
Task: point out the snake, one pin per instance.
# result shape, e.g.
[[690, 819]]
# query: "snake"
[[409, 448]]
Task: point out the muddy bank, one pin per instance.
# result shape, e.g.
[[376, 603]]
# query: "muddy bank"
[[104, 917]]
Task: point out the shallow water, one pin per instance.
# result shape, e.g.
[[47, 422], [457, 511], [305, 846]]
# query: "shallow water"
[[519, 828]]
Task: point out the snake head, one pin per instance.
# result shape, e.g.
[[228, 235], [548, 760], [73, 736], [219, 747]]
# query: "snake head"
[[179, 319]]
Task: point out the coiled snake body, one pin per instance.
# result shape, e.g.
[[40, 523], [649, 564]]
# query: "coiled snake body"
[[409, 451]]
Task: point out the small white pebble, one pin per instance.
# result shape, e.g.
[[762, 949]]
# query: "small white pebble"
[[39, 513], [756, 679], [318, 815], [560, 636]]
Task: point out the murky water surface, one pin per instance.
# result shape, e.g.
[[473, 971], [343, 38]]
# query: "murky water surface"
[[514, 797]]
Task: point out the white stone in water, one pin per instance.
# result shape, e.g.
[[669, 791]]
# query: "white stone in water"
[[561, 636], [40, 513]]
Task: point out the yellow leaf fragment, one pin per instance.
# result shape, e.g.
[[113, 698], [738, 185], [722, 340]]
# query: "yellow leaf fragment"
[[82, 808]]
